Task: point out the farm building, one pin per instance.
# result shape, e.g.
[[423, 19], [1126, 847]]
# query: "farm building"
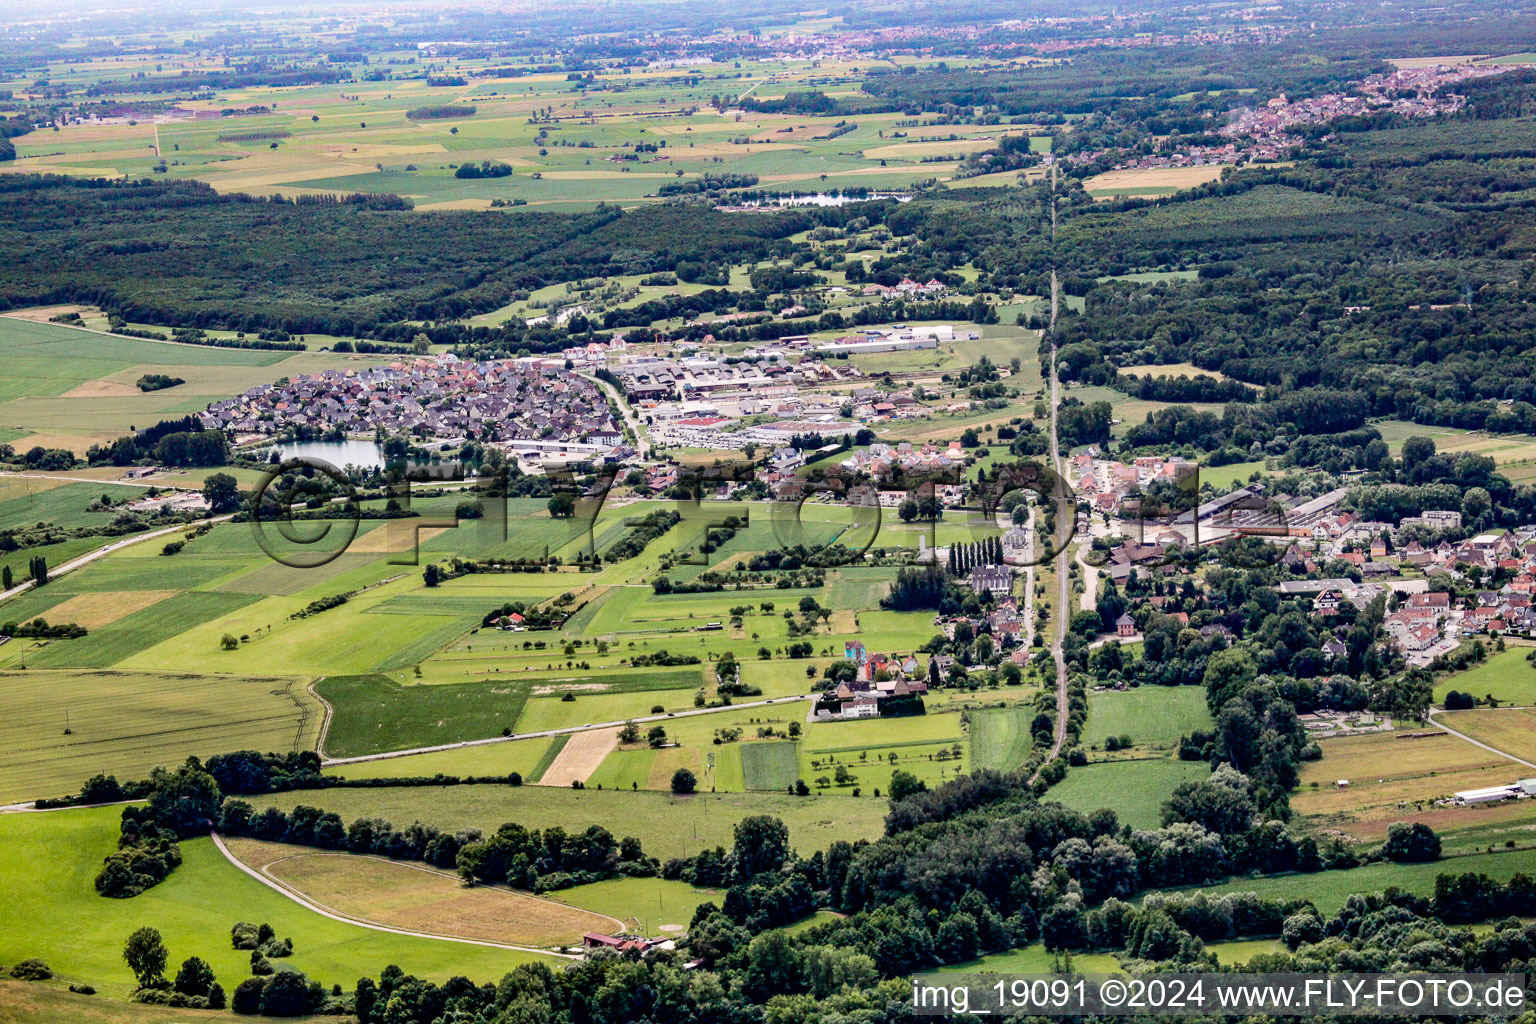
[[1521, 789]]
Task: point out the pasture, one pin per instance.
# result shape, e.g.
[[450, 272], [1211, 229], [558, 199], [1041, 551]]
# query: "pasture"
[[126, 723], [667, 825], [1506, 676], [1154, 717], [1511, 730], [374, 713], [417, 898], [1134, 790], [55, 856], [1000, 738]]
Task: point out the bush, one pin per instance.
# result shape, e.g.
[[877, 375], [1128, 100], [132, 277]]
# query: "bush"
[[31, 969], [1415, 843], [247, 997]]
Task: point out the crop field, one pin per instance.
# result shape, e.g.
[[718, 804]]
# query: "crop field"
[[1512, 730], [55, 856], [1000, 738], [933, 747], [418, 898], [1395, 775], [1506, 676], [1134, 790], [1152, 181], [126, 723], [495, 759], [357, 138], [143, 629], [374, 713], [667, 825], [770, 766], [1155, 717]]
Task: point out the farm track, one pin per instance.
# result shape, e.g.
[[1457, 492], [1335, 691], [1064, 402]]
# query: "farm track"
[[1476, 743], [102, 552]]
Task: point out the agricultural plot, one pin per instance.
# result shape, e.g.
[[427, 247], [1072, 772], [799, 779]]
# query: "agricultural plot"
[[55, 856], [1511, 730], [1134, 790], [932, 747], [126, 723], [373, 713], [69, 388], [1000, 738], [770, 766], [526, 757], [653, 906], [417, 898], [1395, 776], [667, 825], [1506, 676], [1328, 890], [1152, 181], [1154, 717], [128, 636]]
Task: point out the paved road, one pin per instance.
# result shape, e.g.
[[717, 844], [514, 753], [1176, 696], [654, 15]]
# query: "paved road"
[[642, 440], [386, 755], [1475, 743], [1064, 598], [102, 552], [310, 905]]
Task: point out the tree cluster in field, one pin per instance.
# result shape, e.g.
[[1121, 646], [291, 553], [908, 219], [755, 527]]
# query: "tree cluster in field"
[[443, 111], [650, 527], [158, 382], [41, 628]]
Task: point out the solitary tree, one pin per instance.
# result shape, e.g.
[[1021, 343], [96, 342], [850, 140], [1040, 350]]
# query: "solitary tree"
[[222, 492], [145, 954], [683, 781]]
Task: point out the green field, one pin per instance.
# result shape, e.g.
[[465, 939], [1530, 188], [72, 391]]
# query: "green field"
[[1034, 960], [126, 723], [1134, 790], [655, 905], [668, 826], [54, 856], [1506, 676], [770, 766], [1155, 717], [375, 713], [1000, 738]]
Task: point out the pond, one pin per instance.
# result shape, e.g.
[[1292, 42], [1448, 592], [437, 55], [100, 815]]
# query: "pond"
[[363, 454]]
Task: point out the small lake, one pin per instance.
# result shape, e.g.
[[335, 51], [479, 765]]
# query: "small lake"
[[363, 454]]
